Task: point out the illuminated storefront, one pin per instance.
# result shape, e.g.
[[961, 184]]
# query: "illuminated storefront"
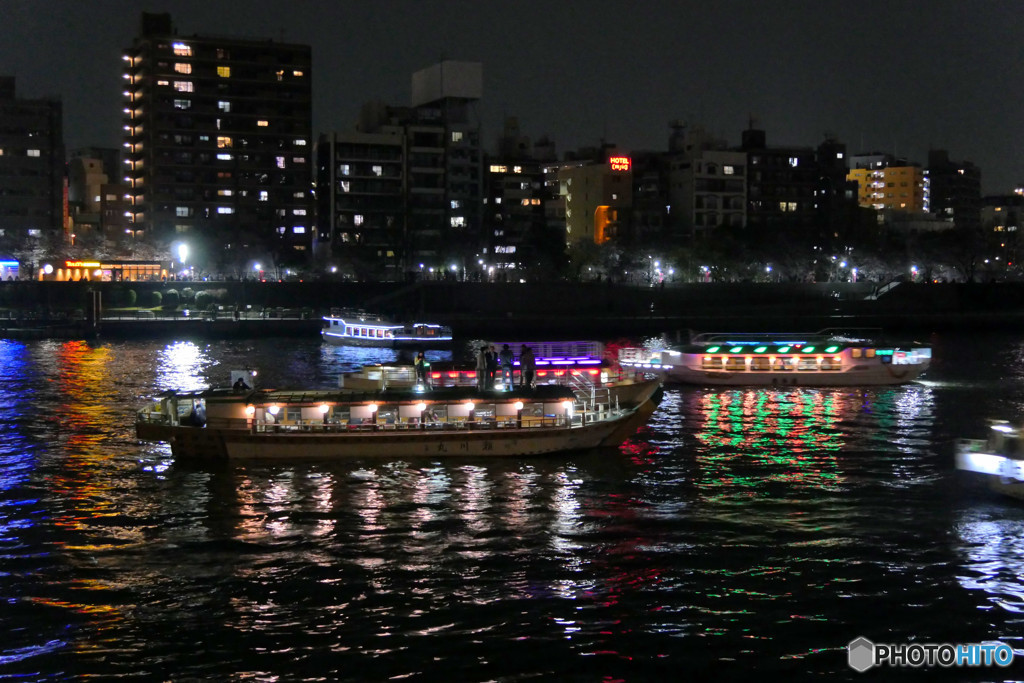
[[104, 271]]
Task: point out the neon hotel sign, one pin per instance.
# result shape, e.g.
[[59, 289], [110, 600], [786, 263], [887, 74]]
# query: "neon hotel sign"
[[619, 163]]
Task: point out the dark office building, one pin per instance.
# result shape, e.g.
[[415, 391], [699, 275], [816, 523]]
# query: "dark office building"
[[32, 170], [218, 144], [954, 190]]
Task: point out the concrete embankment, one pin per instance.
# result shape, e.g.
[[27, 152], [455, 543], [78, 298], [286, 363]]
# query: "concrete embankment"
[[546, 310]]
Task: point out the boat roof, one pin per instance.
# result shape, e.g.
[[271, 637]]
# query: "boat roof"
[[842, 337], [543, 392]]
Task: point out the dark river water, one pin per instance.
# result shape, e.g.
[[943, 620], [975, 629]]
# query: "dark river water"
[[742, 534]]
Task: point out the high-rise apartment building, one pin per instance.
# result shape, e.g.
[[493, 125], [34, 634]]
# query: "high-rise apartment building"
[[888, 183], [707, 182], [218, 144], [403, 191], [32, 171]]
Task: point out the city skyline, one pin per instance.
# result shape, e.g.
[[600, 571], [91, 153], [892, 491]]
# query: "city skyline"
[[879, 76]]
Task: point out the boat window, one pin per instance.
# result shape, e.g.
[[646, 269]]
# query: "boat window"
[[711, 363], [831, 363], [807, 363], [784, 363], [735, 363], [855, 352], [869, 353], [760, 364]]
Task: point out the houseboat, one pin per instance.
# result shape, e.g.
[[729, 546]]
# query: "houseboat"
[[359, 328], [234, 424], [822, 359], [1000, 457]]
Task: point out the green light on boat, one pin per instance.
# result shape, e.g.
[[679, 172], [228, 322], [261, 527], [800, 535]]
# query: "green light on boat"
[[736, 349], [808, 349], [783, 349], [712, 349], [760, 349], [831, 349]]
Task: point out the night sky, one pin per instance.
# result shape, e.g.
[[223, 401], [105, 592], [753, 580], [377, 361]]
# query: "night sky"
[[899, 77]]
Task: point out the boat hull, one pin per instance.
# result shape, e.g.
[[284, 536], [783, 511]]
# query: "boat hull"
[[1004, 474], [402, 343], [210, 444], [877, 375]]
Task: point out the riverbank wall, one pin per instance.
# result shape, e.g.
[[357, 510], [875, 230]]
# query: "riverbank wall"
[[521, 310]]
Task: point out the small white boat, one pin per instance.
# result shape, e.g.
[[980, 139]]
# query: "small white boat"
[[218, 424], [1000, 457], [359, 328], [822, 359]]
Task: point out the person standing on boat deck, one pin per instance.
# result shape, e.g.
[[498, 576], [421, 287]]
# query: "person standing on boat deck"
[[481, 368], [527, 367], [492, 366], [506, 358], [421, 369]]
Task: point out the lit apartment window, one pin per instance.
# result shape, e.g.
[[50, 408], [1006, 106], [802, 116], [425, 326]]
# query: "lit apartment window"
[[264, 195], [224, 193], [224, 71], [456, 136], [224, 106], [182, 50], [297, 73], [223, 141], [456, 203], [299, 212], [728, 170], [794, 161], [183, 86], [182, 68], [280, 162], [162, 82], [225, 209], [357, 219], [499, 169], [32, 152], [280, 75], [378, 170], [181, 211], [263, 123], [346, 186], [182, 104], [298, 160], [458, 221], [224, 157], [299, 229], [301, 142], [299, 195], [344, 169]]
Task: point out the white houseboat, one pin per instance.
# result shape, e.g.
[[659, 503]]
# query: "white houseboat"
[[218, 424], [359, 328], [1000, 457], [826, 358]]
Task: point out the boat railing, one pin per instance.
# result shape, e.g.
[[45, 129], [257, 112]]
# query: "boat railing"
[[507, 422]]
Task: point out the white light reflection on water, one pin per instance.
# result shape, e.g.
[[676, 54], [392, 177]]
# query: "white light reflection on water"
[[993, 559], [182, 366]]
